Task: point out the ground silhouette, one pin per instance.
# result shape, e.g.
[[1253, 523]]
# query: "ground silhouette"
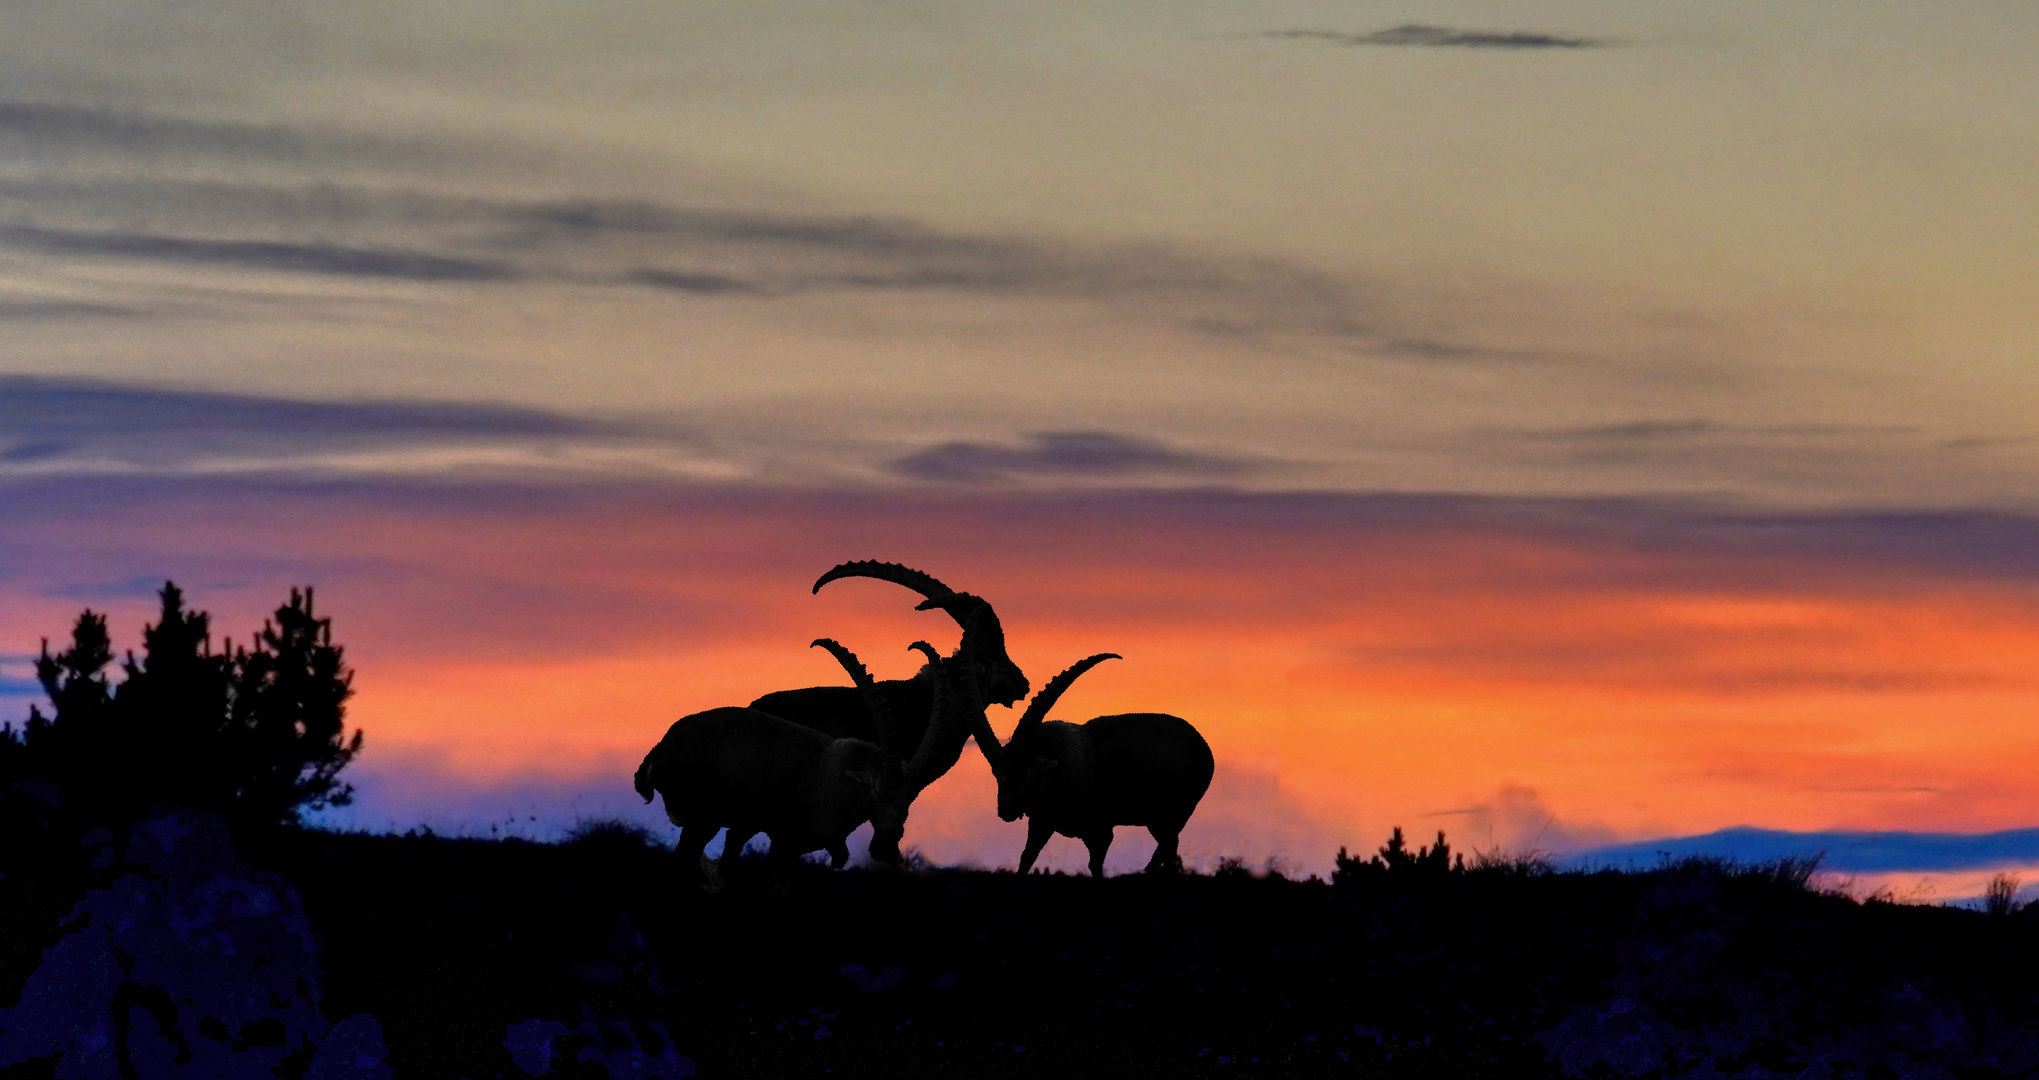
[[594, 958]]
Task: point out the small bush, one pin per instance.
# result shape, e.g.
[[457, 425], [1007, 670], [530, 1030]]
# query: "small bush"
[[1231, 867], [1529, 863], [1793, 871], [2000, 897]]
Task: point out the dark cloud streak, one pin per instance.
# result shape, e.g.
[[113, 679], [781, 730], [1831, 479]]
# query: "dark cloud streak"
[[64, 309], [53, 125], [1658, 430], [1061, 453], [337, 230], [312, 258], [688, 282], [81, 409], [1421, 36], [79, 428]]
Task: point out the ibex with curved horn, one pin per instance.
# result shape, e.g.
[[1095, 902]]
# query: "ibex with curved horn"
[[1081, 780], [846, 712]]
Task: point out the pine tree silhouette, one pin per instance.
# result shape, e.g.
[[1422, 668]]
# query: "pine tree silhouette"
[[75, 682], [1396, 858], [170, 708], [287, 716], [256, 734]]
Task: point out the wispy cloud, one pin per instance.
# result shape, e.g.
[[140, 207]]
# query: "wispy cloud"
[[65, 426], [1067, 454], [332, 229], [1638, 431], [27, 308], [308, 258], [698, 284], [45, 126], [1425, 36], [65, 408]]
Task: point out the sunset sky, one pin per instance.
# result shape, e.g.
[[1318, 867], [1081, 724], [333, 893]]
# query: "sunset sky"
[[1563, 425]]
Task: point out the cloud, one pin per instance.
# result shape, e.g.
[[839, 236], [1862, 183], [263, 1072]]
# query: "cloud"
[[40, 309], [1420, 35], [1666, 430], [587, 218], [436, 451], [1446, 351], [84, 409], [1846, 852], [1514, 821], [698, 284], [1071, 454], [45, 126], [54, 426], [310, 258], [1792, 462], [331, 228]]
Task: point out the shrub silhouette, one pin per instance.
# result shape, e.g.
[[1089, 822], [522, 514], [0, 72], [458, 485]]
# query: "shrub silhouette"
[[1396, 858], [2000, 897], [255, 734]]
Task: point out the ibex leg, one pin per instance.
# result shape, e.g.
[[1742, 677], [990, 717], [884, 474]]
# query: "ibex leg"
[[783, 859], [732, 848], [1037, 838], [692, 839], [1098, 843], [1167, 858]]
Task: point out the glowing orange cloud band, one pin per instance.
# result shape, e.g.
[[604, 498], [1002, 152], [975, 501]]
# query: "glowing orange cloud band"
[[1512, 684]]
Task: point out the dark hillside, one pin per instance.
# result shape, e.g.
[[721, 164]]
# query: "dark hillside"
[[1481, 973], [484, 959]]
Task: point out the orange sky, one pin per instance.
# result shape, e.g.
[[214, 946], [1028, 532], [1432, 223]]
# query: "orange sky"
[[1548, 422], [1511, 680]]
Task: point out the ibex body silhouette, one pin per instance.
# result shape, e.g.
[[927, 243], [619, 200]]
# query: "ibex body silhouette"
[[1083, 780], [753, 773]]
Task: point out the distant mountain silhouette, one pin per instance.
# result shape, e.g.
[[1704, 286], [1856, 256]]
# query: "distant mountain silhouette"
[[1847, 852]]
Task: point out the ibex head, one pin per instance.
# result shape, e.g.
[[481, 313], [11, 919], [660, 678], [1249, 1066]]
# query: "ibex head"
[[888, 822], [1025, 762], [1002, 681]]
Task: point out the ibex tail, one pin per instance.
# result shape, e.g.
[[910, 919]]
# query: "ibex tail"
[[643, 778]]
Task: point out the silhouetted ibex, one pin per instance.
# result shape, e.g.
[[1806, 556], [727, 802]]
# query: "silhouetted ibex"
[[845, 712], [1080, 780], [754, 772], [905, 777]]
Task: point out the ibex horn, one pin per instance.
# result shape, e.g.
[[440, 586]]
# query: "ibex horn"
[[1037, 709], [924, 584]]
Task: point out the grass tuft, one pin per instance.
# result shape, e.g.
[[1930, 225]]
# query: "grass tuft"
[[2000, 897], [609, 832]]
